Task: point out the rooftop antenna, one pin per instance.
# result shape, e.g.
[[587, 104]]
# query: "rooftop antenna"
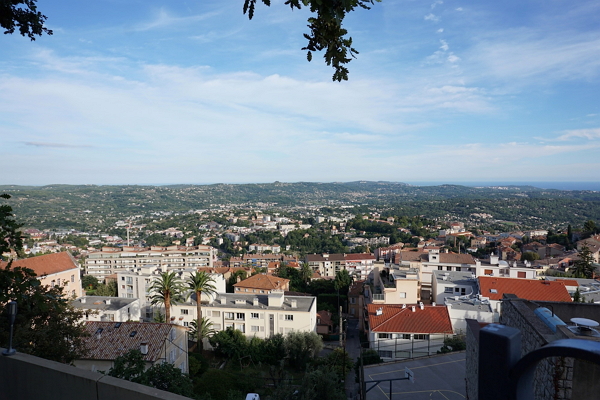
[[12, 314]]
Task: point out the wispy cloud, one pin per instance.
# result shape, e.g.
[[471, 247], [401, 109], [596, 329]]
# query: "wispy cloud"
[[163, 18], [589, 134], [431, 17], [56, 145], [436, 3]]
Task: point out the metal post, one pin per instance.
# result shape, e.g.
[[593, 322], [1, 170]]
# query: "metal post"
[[412, 346], [499, 351], [390, 389], [12, 314]]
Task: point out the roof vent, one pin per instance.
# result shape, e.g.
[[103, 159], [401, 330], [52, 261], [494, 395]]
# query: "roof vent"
[[403, 306], [413, 308], [107, 301], [82, 300], [132, 333], [379, 311], [433, 303], [422, 306], [144, 348], [255, 301], [294, 303], [223, 300], [584, 327]]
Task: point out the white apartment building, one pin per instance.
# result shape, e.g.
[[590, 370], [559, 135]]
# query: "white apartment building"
[[111, 309], [135, 283], [262, 315], [110, 260]]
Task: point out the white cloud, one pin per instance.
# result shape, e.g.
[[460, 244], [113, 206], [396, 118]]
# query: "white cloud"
[[444, 45], [441, 30], [589, 134], [431, 17], [163, 18], [459, 9], [436, 3], [452, 58]]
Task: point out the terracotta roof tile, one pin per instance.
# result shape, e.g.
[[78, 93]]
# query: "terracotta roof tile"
[[46, 264], [359, 256], [114, 342], [262, 281], [394, 318], [529, 289]]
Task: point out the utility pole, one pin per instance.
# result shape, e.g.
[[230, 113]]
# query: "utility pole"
[[341, 329]]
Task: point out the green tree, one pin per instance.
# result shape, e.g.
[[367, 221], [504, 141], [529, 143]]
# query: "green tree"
[[230, 343], [205, 330], [22, 15], [109, 289], [129, 366], [577, 297], [530, 256], [583, 267], [302, 347], [201, 282], [46, 324], [589, 228], [167, 290], [89, 282]]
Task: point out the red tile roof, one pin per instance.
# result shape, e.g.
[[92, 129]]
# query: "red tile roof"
[[263, 281], [529, 289], [359, 256], [114, 342], [394, 318], [46, 264]]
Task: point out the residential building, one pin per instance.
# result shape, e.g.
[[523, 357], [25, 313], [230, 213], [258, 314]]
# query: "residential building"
[[110, 260], [110, 309], [158, 343], [135, 283], [359, 265], [260, 248], [476, 308], [356, 301], [57, 269], [262, 315], [326, 264], [452, 284], [407, 331], [396, 285], [262, 283], [324, 322]]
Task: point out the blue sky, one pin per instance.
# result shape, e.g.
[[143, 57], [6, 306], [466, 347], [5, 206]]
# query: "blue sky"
[[158, 92]]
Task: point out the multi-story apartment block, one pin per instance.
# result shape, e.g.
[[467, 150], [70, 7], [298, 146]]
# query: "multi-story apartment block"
[[262, 315], [110, 260], [112, 309], [135, 283]]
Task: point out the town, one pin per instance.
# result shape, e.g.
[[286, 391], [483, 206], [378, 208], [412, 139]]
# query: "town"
[[356, 289]]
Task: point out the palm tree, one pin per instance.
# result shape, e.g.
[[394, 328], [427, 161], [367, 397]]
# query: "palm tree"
[[205, 330], [201, 282], [167, 290]]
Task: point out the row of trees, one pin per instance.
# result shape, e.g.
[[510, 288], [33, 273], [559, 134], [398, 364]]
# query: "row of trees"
[[169, 289]]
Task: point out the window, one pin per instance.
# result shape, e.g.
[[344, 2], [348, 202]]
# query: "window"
[[406, 336], [254, 328], [456, 290], [185, 311], [419, 336], [254, 315], [448, 290], [228, 325], [52, 284], [352, 300], [493, 291], [488, 272], [448, 268], [241, 327], [228, 315], [458, 269], [217, 327], [440, 268], [240, 316], [216, 313], [402, 295], [384, 336], [186, 323], [385, 353], [289, 317]]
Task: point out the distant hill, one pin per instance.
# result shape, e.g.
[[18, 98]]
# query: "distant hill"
[[82, 206]]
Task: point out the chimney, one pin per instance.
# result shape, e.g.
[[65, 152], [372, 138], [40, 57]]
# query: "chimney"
[[82, 300], [433, 303], [144, 348], [413, 308], [403, 306], [276, 298], [107, 301], [294, 303], [223, 300], [379, 311], [255, 302], [422, 306]]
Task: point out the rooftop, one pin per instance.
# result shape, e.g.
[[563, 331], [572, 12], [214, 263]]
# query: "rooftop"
[[530, 289], [400, 318], [47, 264]]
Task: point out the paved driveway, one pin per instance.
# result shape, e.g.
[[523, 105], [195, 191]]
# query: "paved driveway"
[[436, 378]]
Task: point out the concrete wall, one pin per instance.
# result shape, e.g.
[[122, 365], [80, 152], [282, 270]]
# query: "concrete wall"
[[26, 377]]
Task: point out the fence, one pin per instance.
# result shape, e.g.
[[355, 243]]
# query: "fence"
[[403, 349]]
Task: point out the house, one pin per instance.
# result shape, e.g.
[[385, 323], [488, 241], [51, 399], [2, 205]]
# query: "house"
[[407, 331], [262, 283], [262, 315], [446, 284], [476, 308], [57, 269], [530, 289], [158, 343], [324, 322], [396, 285], [113, 309], [356, 300]]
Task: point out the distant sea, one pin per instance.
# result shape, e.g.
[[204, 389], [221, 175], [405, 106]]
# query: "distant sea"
[[541, 185]]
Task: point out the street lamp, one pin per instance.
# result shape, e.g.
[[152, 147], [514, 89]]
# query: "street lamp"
[[12, 314]]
